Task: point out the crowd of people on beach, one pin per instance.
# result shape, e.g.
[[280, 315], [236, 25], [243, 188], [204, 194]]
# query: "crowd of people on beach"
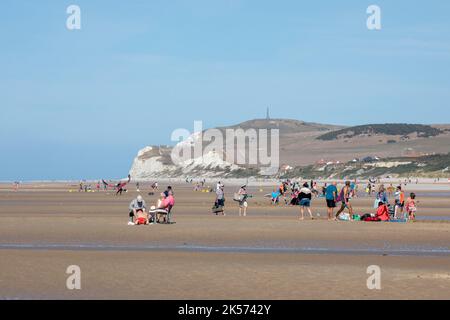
[[338, 201], [293, 193], [302, 196]]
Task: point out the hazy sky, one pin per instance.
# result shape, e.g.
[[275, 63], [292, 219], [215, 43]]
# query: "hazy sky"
[[80, 104]]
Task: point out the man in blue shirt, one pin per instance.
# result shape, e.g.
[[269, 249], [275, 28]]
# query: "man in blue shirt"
[[331, 194]]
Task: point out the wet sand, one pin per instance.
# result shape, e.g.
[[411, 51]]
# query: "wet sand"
[[269, 254]]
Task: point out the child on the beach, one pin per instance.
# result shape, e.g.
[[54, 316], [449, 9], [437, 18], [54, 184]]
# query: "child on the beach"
[[275, 196], [411, 207]]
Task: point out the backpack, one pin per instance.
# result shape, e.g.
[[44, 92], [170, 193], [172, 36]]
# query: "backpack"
[[340, 197]]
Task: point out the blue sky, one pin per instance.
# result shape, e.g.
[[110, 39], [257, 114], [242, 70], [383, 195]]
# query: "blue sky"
[[79, 104]]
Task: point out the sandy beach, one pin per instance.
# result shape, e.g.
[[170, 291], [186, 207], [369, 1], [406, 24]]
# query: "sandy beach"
[[46, 227]]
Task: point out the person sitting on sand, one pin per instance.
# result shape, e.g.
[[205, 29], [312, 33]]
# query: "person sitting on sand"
[[167, 201], [138, 214], [381, 215], [275, 196], [142, 217], [168, 191], [383, 212]]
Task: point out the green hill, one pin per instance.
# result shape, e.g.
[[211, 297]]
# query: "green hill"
[[391, 129]]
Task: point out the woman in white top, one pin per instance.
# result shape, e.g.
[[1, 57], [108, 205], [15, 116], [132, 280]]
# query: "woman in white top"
[[243, 201]]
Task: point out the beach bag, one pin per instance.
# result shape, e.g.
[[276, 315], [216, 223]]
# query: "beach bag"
[[340, 197], [344, 217], [375, 203], [356, 217], [391, 211], [374, 219], [217, 209]]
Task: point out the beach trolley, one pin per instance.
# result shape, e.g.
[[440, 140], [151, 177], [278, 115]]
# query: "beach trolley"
[[216, 209], [157, 214]]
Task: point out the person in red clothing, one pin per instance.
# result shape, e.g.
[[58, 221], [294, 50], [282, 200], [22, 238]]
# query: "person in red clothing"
[[382, 212], [381, 215]]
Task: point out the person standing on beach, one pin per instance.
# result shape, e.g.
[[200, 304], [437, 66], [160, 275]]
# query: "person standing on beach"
[[369, 189], [352, 188], [399, 202], [390, 190], [324, 190], [411, 207], [220, 198], [304, 198], [381, 196], [345, 197], [243, 195], [331, 194]]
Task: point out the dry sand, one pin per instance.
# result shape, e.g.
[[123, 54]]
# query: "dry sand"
[[269, 254]]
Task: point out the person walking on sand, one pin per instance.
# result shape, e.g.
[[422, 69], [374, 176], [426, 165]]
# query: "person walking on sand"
[[304, 198], [243, 195], [120, 189], [345, 197], [331, 194]]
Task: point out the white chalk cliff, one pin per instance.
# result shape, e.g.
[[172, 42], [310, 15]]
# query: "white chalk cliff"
[[156, 162]]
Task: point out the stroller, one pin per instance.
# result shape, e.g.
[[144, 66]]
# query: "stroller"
[[219, 206], [216, 209]]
